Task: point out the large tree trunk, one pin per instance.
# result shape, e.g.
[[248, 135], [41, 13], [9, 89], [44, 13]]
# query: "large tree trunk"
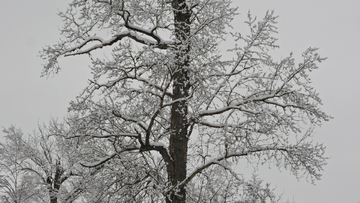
[[179, 125]]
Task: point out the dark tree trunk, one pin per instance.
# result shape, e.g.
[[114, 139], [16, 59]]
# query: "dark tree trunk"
[[54, 184], [53, 199], [179, 125], [51, 190]]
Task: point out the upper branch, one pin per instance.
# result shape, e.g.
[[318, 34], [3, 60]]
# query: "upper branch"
[[140, 79], [138, 122], [111, 41], [93, 165]]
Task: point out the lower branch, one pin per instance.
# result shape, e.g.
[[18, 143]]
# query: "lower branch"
[[217, 161]]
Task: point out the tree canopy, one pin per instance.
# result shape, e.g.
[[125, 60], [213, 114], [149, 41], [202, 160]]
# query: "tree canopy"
[[166, 117]]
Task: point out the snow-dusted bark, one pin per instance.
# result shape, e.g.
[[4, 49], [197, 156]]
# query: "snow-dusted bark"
[[164, 107]]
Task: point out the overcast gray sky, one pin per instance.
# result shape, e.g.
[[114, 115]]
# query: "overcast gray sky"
[[333, 26]]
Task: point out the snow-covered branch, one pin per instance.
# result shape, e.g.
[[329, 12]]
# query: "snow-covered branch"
[[221, 125], [297, 157], [161, 148], [106, 136], [140, 79], [106, 159], [138, 122], [225, 109], [114, 39]]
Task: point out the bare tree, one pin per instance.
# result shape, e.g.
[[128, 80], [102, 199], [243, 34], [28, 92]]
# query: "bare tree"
[[36, 164], [164, 107], [16, 184]]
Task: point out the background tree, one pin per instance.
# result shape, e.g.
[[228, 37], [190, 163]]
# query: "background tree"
[[16, 184], [164, 107], [37, 166]]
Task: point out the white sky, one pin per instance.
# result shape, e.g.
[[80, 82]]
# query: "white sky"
[[333, 26]]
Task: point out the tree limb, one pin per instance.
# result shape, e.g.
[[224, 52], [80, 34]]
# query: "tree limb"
[[111, 41]]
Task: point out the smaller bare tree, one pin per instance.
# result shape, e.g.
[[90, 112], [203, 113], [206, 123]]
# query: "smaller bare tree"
[[34, 165], [14, 181]]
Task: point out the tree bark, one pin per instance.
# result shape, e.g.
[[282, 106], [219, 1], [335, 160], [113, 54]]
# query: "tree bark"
[[179, 125], [51, 191], [55, 184]]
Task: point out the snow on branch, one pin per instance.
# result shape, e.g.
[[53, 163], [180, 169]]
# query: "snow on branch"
[[161, 148], [104, 160], [297, 157], [178, 100], [225, 109], [140, 79], [140, 123], [221, 125], [146, 32], [148, 82], [111, 41], [106, 136]]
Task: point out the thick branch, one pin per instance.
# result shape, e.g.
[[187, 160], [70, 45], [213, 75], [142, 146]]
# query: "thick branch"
[[111, 41], [161, 148]]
